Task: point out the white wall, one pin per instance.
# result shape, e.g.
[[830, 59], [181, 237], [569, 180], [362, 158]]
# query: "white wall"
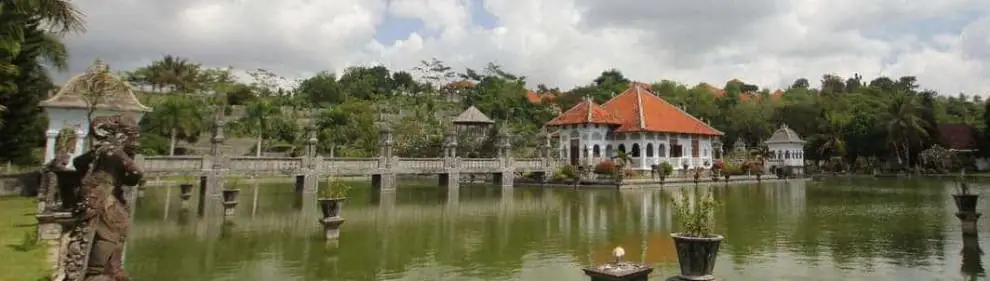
[[786, 154], [72, 118], [591, 135]]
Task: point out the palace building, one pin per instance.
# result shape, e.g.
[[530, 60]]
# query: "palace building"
[[648, 128]]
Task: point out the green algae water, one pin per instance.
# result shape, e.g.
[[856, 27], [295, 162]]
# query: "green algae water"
[[832, 230]]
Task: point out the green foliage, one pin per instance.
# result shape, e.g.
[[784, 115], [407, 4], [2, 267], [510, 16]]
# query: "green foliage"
[[334, 189], [696, 214], [569, 172], [666, 169], [29, 241]]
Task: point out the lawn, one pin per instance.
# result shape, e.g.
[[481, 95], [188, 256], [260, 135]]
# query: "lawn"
[[20, 260]]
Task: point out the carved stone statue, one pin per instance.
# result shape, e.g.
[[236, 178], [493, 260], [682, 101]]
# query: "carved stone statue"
[[102, 215]]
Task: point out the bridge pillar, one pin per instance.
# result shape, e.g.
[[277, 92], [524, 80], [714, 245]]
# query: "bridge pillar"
[[383, 182], [211, 189], [450, 179], [214, 170], [506, 175]]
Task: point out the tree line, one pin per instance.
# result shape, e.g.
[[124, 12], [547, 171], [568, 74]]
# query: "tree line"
[[850, 120]]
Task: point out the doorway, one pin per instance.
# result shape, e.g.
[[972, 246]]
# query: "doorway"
[[575, 152]]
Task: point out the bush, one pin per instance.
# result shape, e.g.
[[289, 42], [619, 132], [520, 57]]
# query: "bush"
[[666, 169], [568, 172], [606, 167]]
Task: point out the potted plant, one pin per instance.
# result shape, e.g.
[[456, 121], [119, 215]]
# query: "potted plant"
[[331, 197], [965, 201], [717, 168], [665, 170], [696, 244]]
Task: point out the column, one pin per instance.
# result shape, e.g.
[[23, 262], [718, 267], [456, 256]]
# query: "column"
[[50, 136], [81, 134]]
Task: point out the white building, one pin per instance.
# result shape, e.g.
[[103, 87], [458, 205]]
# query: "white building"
[[786, 149], [648, 128], [68, 109]]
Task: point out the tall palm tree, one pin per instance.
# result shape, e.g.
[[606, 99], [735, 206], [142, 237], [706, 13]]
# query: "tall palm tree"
[[834, 141], [905, 126], [182, 116], [257, 119]]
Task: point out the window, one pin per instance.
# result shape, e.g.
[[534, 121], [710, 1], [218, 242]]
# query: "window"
[[597, 151], [661, 150], [635, 150], [675, 148], [695, 146], [608, 151], [649, 150], [706, 153], [622, 148]]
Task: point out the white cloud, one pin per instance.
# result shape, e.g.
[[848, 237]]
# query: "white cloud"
[[565, 42]]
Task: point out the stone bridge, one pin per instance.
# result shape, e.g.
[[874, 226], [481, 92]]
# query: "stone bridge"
[[343, 166], [309, 169]]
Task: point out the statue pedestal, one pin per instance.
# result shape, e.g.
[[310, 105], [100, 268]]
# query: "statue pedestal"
[[621, 271], [52, 228], [331, 227], [229, 208], [968, 220]]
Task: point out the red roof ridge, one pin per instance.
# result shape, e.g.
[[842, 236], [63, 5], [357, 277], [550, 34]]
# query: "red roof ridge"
[[639, 107]]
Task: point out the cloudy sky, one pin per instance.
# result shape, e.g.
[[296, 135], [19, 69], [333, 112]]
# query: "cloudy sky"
[[946, 43]]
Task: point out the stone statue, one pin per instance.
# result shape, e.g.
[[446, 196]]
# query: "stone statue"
[[102, 215]]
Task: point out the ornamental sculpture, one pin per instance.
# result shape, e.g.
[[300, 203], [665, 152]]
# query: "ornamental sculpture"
[[101, 218]]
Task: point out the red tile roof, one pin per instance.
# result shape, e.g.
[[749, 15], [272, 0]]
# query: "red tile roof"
[[642, 111], [532, 97], [585, 112], [957, 136]]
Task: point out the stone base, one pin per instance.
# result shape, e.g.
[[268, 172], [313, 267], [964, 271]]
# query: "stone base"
[[52, 235], [619, 272], [331, 227], [678, 278], [968, 222], [229, 208]]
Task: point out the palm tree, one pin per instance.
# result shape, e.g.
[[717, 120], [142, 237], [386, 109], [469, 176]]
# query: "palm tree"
[[904, 125], [257, 120], [182, 116], [834, 142]]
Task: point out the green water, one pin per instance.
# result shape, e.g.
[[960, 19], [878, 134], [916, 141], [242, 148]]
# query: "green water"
[[841, 230]]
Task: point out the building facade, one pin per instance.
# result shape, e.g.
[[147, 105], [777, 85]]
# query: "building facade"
[[646, 127], [786, 150]]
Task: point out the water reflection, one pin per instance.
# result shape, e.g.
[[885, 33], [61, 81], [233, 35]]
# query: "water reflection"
[[972, 263], [789, 231]]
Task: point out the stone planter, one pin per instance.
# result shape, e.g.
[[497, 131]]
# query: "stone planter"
[[331, 221], [966, 203], [230, 201], [330, 207], [696, 256], [621, 271], [185, 191]]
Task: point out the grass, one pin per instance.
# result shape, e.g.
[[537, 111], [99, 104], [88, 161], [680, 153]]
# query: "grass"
[[21, 257]]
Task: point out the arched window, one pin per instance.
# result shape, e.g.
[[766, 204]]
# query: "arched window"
[[635, 150], [780, 154], [596, 151], [649, 150], [608, 151], [622, 148], [787, 154], [661, 150]]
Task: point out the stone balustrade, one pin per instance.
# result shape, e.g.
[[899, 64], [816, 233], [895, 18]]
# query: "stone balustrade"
[[184, 165]]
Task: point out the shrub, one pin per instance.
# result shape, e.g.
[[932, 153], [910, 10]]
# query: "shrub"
[[569, 172], [666, 169], [334, 189], [606, 167]]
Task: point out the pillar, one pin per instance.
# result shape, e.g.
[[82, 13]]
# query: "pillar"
[[311, 171], [50, 136], [212, 181], [506, 173], [450, 179], [384, 180], [81, 134]]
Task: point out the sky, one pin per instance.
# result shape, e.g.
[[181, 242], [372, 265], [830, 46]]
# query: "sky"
[[560, 43]]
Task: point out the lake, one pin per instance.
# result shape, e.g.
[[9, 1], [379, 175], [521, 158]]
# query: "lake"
[[867, 229]]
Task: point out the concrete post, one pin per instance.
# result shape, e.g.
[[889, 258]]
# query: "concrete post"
[[384, 180], [507, 172]]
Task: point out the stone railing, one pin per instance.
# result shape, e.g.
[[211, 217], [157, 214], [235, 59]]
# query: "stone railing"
[[178, 165]]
